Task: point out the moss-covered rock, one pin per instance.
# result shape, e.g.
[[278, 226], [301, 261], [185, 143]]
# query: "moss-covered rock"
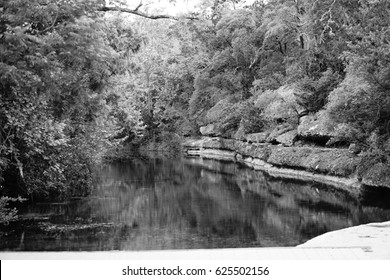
[[287, 139], [337, 162], [315, 128], [240, 134], [210, 143], [258, 150], [377, 175], [278, 131], [210, 130], [260, 137]]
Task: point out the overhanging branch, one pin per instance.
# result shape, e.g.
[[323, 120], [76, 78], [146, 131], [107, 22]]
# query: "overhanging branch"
[[142, 14]]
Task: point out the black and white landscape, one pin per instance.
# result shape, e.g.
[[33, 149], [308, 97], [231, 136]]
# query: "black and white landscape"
[[151, 125]]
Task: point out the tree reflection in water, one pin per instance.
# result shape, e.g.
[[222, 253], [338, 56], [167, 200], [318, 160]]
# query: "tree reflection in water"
[[162, 203]]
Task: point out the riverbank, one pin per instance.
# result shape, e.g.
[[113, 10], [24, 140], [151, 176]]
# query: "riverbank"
[[336, 167], [332, 166]]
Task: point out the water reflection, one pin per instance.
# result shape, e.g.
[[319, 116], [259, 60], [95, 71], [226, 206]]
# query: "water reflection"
[[190, 203]]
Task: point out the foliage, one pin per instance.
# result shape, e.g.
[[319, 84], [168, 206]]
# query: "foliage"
[[56, 60], [7, 215], [252, 120], [362, 99], [313, 94]]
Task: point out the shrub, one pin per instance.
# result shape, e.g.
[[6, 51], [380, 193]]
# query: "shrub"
[[313, 94], [6, 214], [252, 119]]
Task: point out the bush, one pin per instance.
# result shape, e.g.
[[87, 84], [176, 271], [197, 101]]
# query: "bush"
[[313, 94], [279, 106], [252, 120], [364, 108], [6, 214]]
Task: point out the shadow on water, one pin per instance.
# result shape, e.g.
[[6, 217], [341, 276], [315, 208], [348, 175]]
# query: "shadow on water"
[[159, 203], [375, 196]]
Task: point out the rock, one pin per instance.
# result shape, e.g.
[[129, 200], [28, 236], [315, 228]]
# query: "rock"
[[354, 148], [219, 143], [260, 137], [259, 164], [257, 150], [218, 154], [193, 143], [377, 175], [374, 238], [287, 139], [240, 134], [210, 130], [329, 161], [278, 131], [219, 111], [210, 143], [337, 162], [314, 128]]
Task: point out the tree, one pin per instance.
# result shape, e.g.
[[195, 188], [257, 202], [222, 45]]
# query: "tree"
[[56, 60], [362, 100]]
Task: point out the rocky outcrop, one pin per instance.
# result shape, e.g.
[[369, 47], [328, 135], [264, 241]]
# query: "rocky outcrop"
[[287, 139], [279, 131], [312, 128], [339, 162], [377, 175], [284, 135], [210, 130], [260, 137], [374, 239], [326, 165]]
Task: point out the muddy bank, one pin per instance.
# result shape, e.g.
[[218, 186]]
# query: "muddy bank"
[[337, 167]]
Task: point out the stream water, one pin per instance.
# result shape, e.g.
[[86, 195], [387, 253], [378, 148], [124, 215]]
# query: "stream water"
[[157, 203]]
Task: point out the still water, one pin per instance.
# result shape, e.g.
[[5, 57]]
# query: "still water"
[[157, 203]]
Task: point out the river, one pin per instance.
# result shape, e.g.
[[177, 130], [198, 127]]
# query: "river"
[[160, 203]]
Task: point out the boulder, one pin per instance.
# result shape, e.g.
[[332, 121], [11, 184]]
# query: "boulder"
[[210, 143], [219, 143], [218, 154], [377, 175], [287, 139], [240, 134], [355, 148], [314, 128], [210, 130], [192, 143], [257, 150], [260, 137], [278, 131]]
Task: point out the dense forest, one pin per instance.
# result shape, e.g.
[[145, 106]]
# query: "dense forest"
[[86, 81]]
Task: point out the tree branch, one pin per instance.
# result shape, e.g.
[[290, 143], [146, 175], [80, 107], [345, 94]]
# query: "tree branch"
[[54, 22], [142, 14], [139, 6]]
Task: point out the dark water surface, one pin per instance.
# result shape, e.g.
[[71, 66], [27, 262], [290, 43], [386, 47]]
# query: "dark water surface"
[[187, 203]]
